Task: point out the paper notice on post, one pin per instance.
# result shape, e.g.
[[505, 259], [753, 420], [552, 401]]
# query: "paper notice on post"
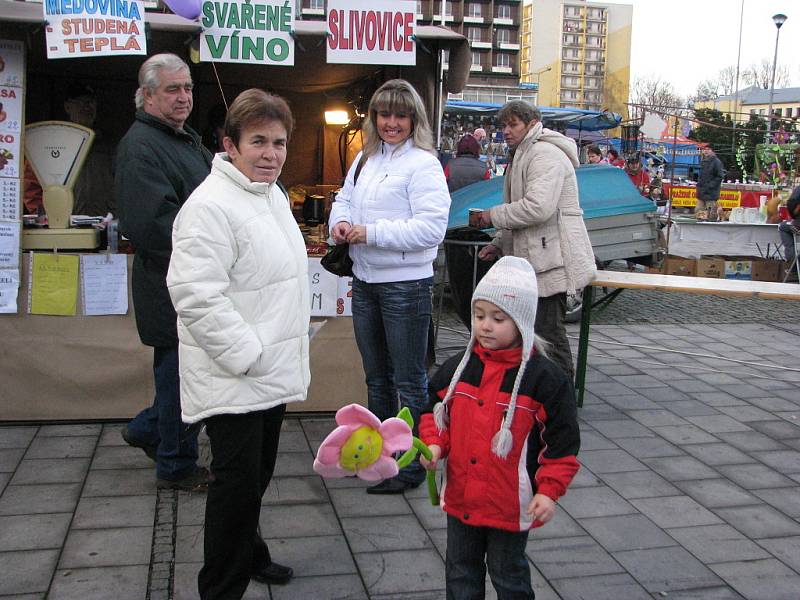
[[9, 285], [104, 284], [324, 288], [53, 286], [9, 244]]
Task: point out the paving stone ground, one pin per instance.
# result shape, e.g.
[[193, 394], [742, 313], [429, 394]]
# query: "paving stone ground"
[[690, 485]]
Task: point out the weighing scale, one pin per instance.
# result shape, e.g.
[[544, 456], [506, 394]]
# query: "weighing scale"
[[56, 151]]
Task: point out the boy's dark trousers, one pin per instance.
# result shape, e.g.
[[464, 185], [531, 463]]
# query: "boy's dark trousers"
[[244, 449], [471, 549]]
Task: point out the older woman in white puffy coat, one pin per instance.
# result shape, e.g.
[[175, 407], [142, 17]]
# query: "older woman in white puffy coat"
[[239, 281], [394, 217]]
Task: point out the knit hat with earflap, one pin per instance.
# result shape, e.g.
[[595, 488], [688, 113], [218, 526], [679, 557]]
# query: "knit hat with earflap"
[[511, 286]]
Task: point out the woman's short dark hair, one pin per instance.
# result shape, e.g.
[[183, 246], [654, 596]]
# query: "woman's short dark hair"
[[613, 153], [253, 106], [519, 108], [594, 149]]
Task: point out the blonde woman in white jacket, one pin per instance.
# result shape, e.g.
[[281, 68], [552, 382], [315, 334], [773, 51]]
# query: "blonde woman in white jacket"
[[394, 218], [239, 281]]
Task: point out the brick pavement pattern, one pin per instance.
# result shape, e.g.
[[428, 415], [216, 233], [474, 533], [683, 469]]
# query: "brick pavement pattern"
[[690, 486]]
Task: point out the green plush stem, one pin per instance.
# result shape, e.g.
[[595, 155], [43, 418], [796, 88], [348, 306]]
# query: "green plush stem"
[[433, 493], [422, 447], [407, 457], [430, 476], [405, 415]]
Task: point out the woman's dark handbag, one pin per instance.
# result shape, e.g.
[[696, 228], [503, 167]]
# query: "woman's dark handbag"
[[338, 261]]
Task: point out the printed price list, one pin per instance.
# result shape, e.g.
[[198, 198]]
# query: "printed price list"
[[9, 199]]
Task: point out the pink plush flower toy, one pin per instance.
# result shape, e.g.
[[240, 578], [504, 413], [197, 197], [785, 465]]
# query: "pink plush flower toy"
[[363, 446]]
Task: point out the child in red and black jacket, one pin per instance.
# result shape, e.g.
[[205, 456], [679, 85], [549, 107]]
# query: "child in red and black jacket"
[[507, 427]]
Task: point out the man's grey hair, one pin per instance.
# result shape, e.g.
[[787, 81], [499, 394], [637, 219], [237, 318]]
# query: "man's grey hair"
[[150, 71], [524, 111]]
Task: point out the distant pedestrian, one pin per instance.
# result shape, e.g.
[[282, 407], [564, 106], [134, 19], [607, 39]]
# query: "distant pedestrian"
[[712, 172], [466, 167], [594, 156]]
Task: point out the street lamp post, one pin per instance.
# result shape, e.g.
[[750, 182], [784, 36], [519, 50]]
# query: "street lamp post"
[[779, 20]]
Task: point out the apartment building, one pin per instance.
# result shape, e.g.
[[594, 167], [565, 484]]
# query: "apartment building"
[[492, 28], [577, 53]]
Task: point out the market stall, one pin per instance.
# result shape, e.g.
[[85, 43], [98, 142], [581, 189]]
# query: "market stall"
[[747, 195], [81, 366]]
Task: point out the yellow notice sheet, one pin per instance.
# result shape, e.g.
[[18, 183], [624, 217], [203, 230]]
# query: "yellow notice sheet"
[[53, 284]]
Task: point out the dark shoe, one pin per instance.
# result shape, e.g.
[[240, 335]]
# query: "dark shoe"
[[273, 573], [392, 486], [151, 451], [196, 482]]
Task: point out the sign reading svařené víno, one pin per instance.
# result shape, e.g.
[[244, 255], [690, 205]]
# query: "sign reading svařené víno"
[[377, 32], [241, 31]]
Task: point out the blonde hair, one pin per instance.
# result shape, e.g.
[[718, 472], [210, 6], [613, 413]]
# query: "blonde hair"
[[398, 97]]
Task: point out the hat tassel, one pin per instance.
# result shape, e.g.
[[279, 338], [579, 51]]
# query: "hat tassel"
[[502, 442]]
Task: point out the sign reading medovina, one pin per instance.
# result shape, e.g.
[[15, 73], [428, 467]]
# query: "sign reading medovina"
[[78, 28], [242, 31]]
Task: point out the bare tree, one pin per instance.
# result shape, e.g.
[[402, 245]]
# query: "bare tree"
[[723, 84], [761, 75], [727, 80], [654, 94]]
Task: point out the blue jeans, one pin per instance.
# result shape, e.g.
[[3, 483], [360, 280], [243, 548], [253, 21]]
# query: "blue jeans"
[[391, 322], [471, 549], [160, 425]]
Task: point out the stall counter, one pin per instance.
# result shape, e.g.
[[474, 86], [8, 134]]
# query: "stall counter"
[[85, 368]]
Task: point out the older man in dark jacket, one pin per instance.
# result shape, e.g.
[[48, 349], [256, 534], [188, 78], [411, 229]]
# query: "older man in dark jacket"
[[160, 162], [708, 184]]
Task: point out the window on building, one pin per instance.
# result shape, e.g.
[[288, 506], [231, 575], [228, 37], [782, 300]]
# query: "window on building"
[[789, 112], [474, 34], [476, 59], [318, 4], [446, 56], [502, 60], [474, 9], [419, 7], [503, 11], [762, 111], [503, 36], [777, 112]]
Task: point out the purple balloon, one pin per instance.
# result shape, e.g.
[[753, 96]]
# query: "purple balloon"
[[188, 9]]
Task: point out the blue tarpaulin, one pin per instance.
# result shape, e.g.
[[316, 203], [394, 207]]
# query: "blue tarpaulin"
[[603, 191], [574, 118]]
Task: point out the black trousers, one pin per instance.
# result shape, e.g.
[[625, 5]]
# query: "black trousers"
[[550, 314], [244, 449]]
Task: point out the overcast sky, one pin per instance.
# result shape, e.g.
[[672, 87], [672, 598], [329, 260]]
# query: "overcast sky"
[[686, 41]]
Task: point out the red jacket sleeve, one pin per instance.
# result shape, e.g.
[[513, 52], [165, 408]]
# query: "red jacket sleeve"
[[429, 433]]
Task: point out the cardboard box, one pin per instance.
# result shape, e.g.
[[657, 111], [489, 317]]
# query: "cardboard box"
[[710, 266], [739, 269], [677, 265], [767, 270]]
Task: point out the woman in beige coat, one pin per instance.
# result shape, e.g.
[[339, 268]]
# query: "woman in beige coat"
[[541, 220]]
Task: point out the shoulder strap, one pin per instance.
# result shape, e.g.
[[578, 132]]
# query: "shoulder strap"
[[361, 162], [282, 187]]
